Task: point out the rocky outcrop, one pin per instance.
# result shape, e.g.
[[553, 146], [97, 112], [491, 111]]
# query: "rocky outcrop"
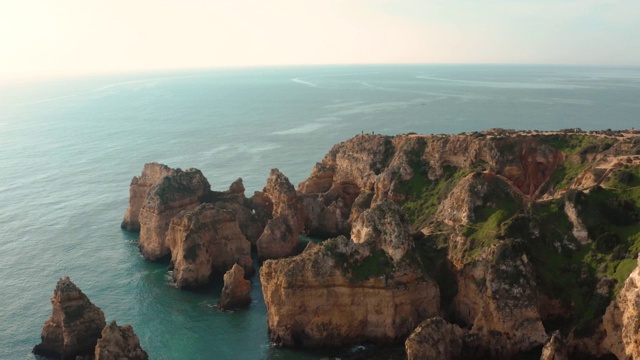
[[435, 339], [555, 348], [152, 174], [385, 226], [236, 292], [281, 234], [205, 240], [342, 293], [119, 342], [75, 324], [621, 321], [183, 191], [496, 299]]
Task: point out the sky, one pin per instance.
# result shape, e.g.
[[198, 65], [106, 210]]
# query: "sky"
[[45, 38]]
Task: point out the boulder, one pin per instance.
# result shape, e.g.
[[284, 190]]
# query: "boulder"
[[435, 339]]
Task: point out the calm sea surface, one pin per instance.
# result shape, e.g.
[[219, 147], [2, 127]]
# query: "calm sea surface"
[[68, 150]]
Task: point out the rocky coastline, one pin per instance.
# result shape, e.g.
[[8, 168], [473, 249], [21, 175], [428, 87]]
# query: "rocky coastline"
[[486, 245]]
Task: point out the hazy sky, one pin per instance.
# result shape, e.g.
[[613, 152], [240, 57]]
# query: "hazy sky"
[[72, 37]]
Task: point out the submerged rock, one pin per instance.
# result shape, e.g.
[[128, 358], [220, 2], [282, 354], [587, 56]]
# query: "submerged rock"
[[118, 343], [236, 291], [75, 324]]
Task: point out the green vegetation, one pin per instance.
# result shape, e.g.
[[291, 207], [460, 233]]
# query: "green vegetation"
[[580, 144], [424, 195], [567, 172], [374, 265]]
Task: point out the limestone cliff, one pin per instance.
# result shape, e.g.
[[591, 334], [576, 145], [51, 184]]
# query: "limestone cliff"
[[343, 292], [204, 240], [152, 174], [75, 324], [183, 191], [435, 339], [119, 342], [281, 234]]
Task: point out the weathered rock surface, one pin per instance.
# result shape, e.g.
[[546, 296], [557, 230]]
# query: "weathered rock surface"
[[385, 226], [621, 322], [236, 291], [74, 326], [204, 240], [496, 298], [555, 348], [281, 235], [435, 339], [152, 174], [342, 293], [183, 191], [118, 343]]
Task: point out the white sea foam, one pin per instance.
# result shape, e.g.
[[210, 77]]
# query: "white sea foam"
[[300, 81], [304, 129]]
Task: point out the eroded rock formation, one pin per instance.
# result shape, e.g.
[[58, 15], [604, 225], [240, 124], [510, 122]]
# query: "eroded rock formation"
[[119, 342], [236, 292], [435, 339], [183, 191], [152, 174], [204, 240], [281, 234], [343, 292], [75, 324]]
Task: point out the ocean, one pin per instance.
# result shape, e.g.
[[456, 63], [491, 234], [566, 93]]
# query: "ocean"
[[69, 148]]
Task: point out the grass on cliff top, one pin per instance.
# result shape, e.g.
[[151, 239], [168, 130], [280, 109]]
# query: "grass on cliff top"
[[425, 195], [571, 144], [569, 271], [378, 263]]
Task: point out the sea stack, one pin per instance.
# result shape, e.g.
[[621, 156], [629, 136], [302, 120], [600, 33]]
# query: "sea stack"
[[75, 324], [236, 290], [119, 343]]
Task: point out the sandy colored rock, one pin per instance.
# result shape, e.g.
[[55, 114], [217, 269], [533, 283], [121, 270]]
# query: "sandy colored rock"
[[555, 348], [385, 226], [183, 191], [621, 321], [204, 240], [74, 326], [313, 299], [496, 298], [152, 174], [236, 291], [281, 235], [435, 339], [118, 343]]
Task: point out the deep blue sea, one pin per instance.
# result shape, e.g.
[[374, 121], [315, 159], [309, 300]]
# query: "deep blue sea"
[[69, 148]]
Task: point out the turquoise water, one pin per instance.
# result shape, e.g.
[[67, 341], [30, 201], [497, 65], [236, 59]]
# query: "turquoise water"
[[68, 150]]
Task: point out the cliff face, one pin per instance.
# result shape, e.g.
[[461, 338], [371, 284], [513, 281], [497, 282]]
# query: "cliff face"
[[281, 234], [343, 292], [182, 191], [74, 326], [494, 209], [152, 174], [204, 240]]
